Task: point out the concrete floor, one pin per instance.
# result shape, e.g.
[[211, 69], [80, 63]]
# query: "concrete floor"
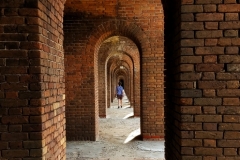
[[118, 139]]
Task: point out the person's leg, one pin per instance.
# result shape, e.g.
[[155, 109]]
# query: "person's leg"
[[118, 101], [121, 102]]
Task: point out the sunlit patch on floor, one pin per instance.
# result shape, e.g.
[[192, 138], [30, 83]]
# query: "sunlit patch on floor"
[[132, 135]]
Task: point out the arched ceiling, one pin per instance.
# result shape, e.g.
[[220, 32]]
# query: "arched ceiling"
[[117, 47]]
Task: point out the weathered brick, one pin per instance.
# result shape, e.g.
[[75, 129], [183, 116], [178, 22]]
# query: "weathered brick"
[[229, 127], [210, 59], [14, 136], [187, 1], [191, 109], [15, 153], [209, 17], [228, 143], [191, 59], [192, 26], [187, 17], [15, 145], [210, 42], [231, 101], [229, 25], [208, 118], [191, 142], [14, 119], [208, 151], [186, 51], [209, 93], [191, 8], [190, 76], [15, 128], [208, 1], [229, 59], [192, 42], [211, 25], [228, 92], [191, 93], [209, 8], [210, 67], [231, 33], [209, 110], [209, 134], [228, 76], [185, 101], [233, 84], [230, 151], [232, 50], [231, 16], [211, 84], [209, 143], [208, 76], [187, 150], [187, 34], [187, 134], [209, 50], [233, 67], [209, 34], [231, 135], [231, 118], [33, 144], [228, 110], [191, 126], [208, 101], [186, 118], [185, 85], [186, 67], [210, 126], [229, 8]]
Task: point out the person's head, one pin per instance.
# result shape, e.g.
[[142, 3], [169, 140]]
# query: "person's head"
[[119, 83]]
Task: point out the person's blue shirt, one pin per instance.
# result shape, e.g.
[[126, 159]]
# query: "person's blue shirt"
[[119, 90]]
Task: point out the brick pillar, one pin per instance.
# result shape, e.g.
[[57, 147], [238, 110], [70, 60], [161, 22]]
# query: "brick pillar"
[[81, 82], [31, 80], [206, 110]]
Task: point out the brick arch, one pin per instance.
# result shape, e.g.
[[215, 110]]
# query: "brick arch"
[[136, 34], [132, 57], [115, 28], [128, 70]]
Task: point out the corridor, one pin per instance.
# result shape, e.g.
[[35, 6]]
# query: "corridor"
[[118, 139]]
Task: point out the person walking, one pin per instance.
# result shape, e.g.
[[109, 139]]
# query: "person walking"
[[119, 94]]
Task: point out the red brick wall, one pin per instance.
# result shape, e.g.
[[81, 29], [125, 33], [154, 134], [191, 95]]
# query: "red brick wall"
[[31, 80], [85, 30], [206, 107]]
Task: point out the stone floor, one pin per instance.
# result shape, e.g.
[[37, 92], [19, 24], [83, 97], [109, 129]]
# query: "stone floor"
[[118, 139]]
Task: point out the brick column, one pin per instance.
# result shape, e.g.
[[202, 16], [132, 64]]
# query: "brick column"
[[206, 107], [31, 80]]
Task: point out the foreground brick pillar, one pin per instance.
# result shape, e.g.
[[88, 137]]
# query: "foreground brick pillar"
[[206, 104], [31, 80]]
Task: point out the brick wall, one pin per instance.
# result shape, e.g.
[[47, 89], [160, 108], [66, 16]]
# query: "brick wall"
[[85, 30], [206, 107], [32, 86]]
